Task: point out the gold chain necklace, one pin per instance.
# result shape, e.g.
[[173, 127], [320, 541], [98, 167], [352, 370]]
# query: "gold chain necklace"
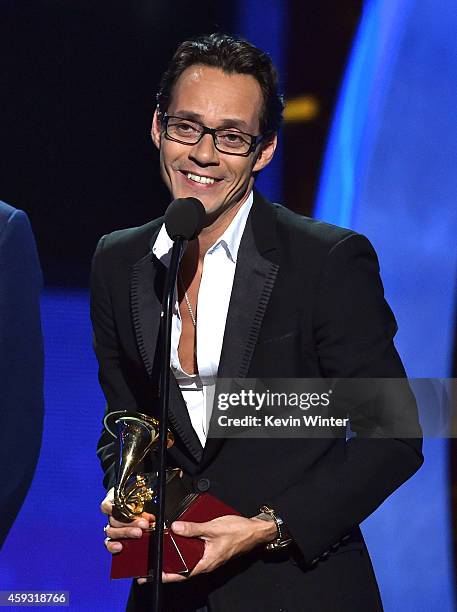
[[186, 297]]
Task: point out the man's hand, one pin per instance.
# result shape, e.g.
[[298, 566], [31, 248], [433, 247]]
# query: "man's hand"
[[117, 530], [225, 537]]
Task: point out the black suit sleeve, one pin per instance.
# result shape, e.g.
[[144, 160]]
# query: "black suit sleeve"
[[354, 329], [107, 349], [21, 365]]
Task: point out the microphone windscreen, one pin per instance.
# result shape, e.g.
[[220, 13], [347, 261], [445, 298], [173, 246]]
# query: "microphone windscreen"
[[185, 218]]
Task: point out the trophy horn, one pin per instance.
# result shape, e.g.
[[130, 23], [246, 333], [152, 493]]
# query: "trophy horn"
[[137, 434]]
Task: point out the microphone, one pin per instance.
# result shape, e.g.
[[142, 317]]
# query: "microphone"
[[185, 218]]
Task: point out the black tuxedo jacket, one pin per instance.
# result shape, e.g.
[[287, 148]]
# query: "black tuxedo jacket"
[[307, 301]]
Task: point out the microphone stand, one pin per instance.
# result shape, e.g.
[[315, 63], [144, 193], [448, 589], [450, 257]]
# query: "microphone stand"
[[167, 314]]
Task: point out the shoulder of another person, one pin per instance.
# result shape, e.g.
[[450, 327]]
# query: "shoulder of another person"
[[7, 212], [15, 227]]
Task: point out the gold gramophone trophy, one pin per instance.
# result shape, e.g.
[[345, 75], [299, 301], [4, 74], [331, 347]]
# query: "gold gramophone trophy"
[[138, 436]]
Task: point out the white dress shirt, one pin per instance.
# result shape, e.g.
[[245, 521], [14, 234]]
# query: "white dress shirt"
[[214, 294]]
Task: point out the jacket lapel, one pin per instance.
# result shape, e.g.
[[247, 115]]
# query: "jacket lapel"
[[146, 283], [146, 290], [255, 275]]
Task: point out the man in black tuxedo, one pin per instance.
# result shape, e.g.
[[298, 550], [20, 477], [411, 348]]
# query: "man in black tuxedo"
[[262, 292]]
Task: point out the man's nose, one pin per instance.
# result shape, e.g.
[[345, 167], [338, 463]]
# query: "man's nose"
[[204, 151]]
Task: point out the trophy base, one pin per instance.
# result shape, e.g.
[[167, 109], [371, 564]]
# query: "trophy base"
[[180, 554]]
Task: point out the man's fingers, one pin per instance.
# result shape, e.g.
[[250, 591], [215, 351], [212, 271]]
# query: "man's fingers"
[[118, 533], [189, 529], [139, 522], [200, 568], [173, 577], [165, 578], [107, 504], [117, 530], [112, 546]]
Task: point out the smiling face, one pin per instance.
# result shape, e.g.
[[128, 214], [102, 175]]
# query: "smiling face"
[[217, 100]]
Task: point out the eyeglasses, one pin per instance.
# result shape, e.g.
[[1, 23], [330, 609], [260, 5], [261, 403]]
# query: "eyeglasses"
[[230, 141]]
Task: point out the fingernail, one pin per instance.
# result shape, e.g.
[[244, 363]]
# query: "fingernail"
[[137, 533], [116, 547], [177, 526]]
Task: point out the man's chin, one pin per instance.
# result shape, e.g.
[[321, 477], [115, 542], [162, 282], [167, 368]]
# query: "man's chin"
[[207, 202], [213, 212], [210, 205]]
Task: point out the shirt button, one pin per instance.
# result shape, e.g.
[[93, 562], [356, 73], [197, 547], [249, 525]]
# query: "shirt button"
[[203, 484]]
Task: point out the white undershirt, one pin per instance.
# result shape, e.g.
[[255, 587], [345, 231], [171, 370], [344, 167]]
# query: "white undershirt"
[[214, 294]]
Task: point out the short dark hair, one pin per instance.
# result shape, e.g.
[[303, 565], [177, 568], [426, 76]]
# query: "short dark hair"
[[232, 55]]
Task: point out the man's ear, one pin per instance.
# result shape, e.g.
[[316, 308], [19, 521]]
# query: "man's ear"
[[267, 149], [156, 128]]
